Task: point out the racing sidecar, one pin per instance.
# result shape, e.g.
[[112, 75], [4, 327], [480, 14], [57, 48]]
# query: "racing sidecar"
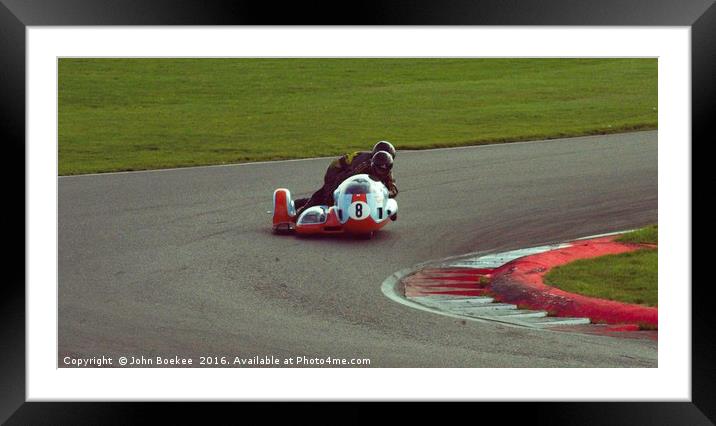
[[361, 206]]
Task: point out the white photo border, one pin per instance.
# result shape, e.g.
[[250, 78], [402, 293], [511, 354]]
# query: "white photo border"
[[670, 381]]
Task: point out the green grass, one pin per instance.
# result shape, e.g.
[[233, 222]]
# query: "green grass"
[[131, 114], [628, 277], [647, 235]]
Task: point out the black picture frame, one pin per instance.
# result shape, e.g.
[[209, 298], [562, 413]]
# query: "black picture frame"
[[16, 15]]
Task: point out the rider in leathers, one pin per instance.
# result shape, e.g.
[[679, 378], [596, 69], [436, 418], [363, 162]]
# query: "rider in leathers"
[[349, 165]]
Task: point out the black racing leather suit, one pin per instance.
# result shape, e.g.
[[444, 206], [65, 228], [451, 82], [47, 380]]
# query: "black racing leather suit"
[[339, 170]]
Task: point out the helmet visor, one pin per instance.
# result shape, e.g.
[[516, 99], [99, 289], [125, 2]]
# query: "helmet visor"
[[382, 169]]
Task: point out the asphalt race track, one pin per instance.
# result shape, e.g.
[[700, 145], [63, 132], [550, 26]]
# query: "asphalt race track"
[[183, 262]]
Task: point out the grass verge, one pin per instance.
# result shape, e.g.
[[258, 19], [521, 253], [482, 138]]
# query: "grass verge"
[[134, 114], [628, 277], [647, 235]]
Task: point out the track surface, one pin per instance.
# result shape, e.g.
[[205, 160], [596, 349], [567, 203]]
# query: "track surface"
[[182, 262]]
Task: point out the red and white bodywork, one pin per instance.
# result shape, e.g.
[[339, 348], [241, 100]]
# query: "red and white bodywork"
[[361, 206]]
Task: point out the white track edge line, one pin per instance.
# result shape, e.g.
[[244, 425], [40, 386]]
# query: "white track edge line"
[[484, 145], [388, 287]]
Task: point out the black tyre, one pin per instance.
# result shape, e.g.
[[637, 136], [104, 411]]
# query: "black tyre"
[[282, 229]]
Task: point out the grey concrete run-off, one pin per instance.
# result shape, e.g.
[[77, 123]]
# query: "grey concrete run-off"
[[183, 262]]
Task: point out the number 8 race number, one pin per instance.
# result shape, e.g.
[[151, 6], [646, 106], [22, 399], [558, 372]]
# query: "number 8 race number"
[[359, 210]]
